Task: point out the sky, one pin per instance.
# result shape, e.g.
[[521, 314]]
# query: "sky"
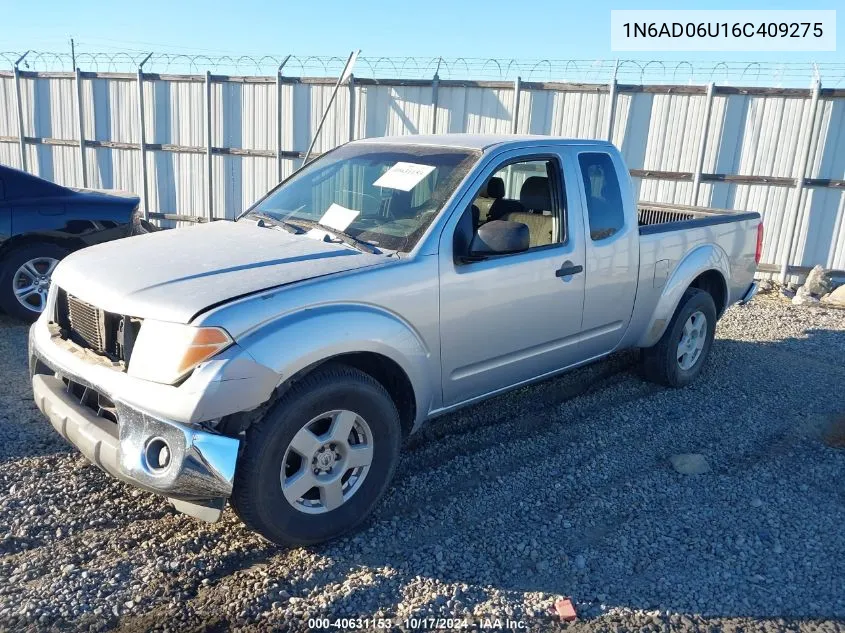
[[555, 29]]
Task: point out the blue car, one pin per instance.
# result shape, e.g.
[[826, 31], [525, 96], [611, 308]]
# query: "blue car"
[[42, 222]]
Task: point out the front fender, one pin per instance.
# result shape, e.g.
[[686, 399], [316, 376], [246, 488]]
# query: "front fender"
[[304, 338], [697, 261]]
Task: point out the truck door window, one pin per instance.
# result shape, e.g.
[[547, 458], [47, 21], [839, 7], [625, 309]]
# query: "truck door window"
[[604, 199], [523, 192]]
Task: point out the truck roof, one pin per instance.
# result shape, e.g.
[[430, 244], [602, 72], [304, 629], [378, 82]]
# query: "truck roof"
[[480, 141]]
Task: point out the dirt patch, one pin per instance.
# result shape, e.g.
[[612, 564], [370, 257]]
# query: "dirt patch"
[[835, 434]]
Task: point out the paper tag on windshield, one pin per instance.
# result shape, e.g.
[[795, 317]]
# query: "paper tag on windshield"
[[403, 176], [338, 217]]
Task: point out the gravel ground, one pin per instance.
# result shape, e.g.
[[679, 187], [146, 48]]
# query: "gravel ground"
[[561, 489]]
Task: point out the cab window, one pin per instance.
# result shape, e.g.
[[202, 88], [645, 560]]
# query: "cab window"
[[526, 192], [604, 198]]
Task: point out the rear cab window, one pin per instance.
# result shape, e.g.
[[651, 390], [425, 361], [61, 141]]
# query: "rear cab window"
[[602, 194]]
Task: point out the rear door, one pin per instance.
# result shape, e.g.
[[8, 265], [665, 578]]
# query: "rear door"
[[612, 247], [515, 317]]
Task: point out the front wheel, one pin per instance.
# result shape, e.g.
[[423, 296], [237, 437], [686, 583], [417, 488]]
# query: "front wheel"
[[680, 354], [314, 467]]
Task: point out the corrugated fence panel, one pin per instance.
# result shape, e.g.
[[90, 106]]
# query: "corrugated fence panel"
[[773, 134], [8, 109], [474, 110], [9, 153], [713, 153], [336, 128], [257, 119], [186, 104], [748, 135], [49, 111], [398, 110], [677, 123], [821, 232], [110, 110]]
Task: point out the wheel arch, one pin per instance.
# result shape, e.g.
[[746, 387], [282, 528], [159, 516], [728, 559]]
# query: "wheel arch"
[[18, 242], [387, 372], [368, 338], [706, 267]]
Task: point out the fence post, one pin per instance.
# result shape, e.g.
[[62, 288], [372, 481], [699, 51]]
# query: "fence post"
[[81, 123], [351, 107], [142, 138], [702, 146], [517, 84], [611, 104], [279, 117], [799, 182], [209, 165], [435, 89], [19, 103]]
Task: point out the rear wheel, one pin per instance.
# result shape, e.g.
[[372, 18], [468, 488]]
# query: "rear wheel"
[[317, 463], [25, 279], [679, 355]]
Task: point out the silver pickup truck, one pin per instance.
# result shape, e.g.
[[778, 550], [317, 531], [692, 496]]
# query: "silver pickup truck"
[[280, 360]]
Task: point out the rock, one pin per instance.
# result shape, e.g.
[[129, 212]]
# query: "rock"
[[690, 463], [756, 502], [803, 297], [787, 292], [818, 282], [836, 298], [580, 561], [765, 285]]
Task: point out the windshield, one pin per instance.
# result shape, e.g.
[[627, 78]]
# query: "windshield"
[[383, 194]]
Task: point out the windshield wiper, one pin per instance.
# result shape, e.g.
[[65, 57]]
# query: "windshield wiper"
[[264, 220], [346, 238]]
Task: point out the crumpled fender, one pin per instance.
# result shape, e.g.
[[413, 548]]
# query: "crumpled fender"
[[699, 260], [306, 337]]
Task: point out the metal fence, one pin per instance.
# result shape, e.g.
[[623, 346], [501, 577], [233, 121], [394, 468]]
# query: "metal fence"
[[209, 144], [642, 71]]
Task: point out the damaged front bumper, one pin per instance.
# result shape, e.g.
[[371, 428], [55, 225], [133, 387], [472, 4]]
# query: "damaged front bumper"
[[194, 468]]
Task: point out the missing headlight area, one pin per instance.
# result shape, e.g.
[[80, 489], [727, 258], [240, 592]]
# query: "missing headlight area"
[[105, 333]]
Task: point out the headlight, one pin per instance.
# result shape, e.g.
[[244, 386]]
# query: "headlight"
[[166, 352]]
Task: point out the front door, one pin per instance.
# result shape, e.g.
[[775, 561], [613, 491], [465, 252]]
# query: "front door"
[[511, 318]]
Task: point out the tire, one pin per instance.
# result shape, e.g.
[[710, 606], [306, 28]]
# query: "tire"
[[257, 495], [663, 362], [12, 275]]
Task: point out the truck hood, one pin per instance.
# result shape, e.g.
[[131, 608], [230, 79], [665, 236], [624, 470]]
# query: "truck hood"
[[175, 274]]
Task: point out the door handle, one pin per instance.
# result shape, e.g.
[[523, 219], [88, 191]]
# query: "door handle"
[[568, 269]]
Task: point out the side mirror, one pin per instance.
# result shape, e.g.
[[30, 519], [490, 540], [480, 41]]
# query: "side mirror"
[[499, 237]]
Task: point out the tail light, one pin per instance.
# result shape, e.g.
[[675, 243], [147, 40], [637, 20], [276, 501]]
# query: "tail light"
[[759, 252]]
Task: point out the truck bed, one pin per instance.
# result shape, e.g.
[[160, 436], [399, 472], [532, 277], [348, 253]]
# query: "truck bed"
[[650, 214], [669, 233]]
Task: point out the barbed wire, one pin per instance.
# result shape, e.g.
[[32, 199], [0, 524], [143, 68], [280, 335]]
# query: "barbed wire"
[[784, 74]]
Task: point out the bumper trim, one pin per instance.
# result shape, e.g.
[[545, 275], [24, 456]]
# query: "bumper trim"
[[201, 466], [749, 294]]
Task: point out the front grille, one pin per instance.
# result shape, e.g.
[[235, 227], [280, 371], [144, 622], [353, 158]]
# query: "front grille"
[[87, 322], [106, 333]]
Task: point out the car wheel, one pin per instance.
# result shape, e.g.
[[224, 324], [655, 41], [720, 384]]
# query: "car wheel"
[[679, 355], [316, 464], [25, 279]]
